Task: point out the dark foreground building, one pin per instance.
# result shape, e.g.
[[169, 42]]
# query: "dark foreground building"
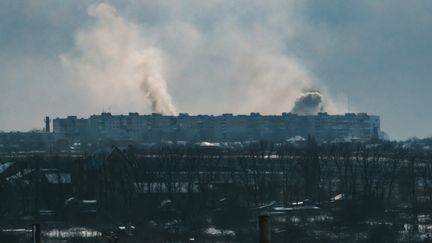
[[224, 128]]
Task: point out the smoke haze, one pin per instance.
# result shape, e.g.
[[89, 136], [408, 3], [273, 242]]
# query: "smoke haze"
[[241, 69], [113, 63], [214, 57]]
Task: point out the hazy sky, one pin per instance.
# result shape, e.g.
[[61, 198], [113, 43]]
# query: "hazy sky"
[[215, 57]]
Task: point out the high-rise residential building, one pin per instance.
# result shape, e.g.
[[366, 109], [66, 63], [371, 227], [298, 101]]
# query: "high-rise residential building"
[[222, 128]]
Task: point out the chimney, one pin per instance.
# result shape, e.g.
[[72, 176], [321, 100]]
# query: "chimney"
[[47, 124]]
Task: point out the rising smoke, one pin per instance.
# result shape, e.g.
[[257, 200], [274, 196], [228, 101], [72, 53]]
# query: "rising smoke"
[[309, 103], [227, 66], [116, 65]]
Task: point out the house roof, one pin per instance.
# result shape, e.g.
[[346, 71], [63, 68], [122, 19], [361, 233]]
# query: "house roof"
[[5, 166], [58, 178]]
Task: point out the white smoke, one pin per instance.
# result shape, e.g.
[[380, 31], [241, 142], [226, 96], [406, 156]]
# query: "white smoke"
[[116, 64], [221, 59], [234, 56]]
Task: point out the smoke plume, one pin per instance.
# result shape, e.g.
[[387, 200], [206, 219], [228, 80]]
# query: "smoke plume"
[[117, 65], [309, 103], [234, 57], [234, 63]]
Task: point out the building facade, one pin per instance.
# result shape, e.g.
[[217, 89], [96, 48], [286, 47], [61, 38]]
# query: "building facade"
[[223, 128]]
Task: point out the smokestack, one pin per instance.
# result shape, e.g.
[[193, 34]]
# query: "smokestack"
[[47, 124]]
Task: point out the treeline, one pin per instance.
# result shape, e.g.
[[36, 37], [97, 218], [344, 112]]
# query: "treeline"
[[133, 182], [284, 172]]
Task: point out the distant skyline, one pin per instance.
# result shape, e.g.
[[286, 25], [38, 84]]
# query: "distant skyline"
[[80, 57]]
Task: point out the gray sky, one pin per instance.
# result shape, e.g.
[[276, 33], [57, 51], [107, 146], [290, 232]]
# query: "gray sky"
[[217, 56]]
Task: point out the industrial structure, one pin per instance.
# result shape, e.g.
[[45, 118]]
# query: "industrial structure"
[[222, 128]]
